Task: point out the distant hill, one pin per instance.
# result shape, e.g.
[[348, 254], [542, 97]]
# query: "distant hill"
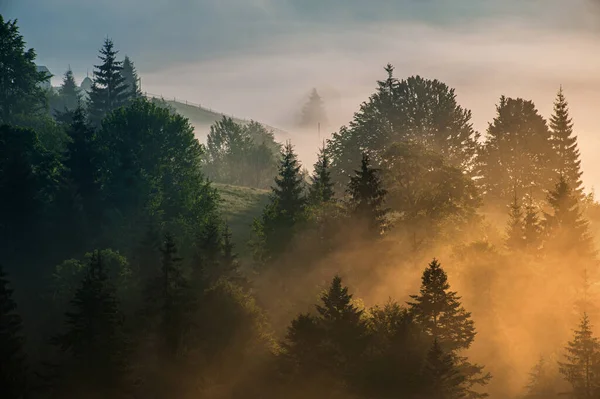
[[199, 115]]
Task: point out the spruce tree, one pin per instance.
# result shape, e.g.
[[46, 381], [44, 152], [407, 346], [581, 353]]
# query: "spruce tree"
[[367, 196], [313, 112], [564, 144], [131, 79], [81, 160], [540, 383], [69, 92], [439, 311], [581, 367], [443, 379], [208, 253], [286, 208], [94, 341], [229, 259], [532, 230], [321, 189], [565, 229], [109, 90], [13, 370], [515, 229]]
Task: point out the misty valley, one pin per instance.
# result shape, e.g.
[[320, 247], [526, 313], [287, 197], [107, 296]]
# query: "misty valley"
[[417, 258]]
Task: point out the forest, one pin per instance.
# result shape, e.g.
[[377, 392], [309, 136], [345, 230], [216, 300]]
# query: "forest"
[[418, 258]]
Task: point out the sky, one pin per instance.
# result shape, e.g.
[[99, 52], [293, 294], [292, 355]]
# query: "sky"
[[259, 58]]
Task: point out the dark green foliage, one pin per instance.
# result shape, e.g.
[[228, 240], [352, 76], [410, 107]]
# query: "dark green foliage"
[[517, 154], [581, 367], [13, 370], [439, 311], [565, 229], [564, 144], [67, 100], [109, 91], [275, 229], [443, 378], [313, 112], [321, 188], [131, 79], [367, 197], [416, 110], [19, 79], [94, 344], [241, 154]]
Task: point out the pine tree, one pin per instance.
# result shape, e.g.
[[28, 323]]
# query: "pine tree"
[[531, 226], [175, 302], [540, 383], [313, 112], [582, 362], [69, 92], [565, 229], [367, 196], [13, 370], [94, 340], [208, 253], [515, 230], [442, 377], [82, 163], [229, 259], [439, 311], [275, 228], [109, 90], [131, 78], [321, 189], [564, 144]]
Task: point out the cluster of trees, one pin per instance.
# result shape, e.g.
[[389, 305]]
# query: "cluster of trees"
[[108, 215], [244, 155]]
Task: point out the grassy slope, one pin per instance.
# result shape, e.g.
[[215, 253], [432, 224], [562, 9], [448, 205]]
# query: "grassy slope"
[[240, 205]]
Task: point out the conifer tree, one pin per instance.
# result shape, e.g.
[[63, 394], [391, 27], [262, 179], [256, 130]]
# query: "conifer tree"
[[564, 144], [94, 340], [82, 163], [581, 367], [439, 311], [321, 189], [565, 229], [540, 383], [367, 196], [286, 208], [69, 92], [229, 259], [313, 112], [109, 90], [515, 229], [531, 226], [131, 78], [208, 252], [443, 379], [13, 370]]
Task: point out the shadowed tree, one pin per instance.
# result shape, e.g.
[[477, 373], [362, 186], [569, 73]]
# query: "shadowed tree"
[[515, 234], [313, 112], [443, 379], [564, 144], [131, 79], [13, 370], [321, 188]]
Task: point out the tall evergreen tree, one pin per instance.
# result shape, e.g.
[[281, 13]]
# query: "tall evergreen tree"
[[566, 230], [540, 383], [515, 229], [19, 80], [286, 208], [440, 312], [532, 231], [69, 92], [313, 112], [94, 341], [131, 79], [367, 196], [444, 380], [581, 367], [564, 144], [109, 90], [13, 370], [81, 160], [321, 189]]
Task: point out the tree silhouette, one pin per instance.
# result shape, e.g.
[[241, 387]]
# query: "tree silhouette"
[[313, 112], [321, 189]]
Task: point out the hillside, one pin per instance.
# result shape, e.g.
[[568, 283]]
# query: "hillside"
[[240, 205]]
